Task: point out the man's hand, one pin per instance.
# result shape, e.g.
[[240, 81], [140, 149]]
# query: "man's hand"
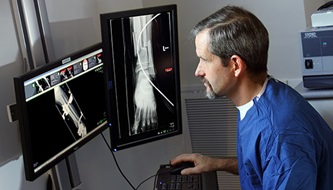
[[206, 164]]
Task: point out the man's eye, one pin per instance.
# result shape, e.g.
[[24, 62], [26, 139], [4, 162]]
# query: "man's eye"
[[204, 60]]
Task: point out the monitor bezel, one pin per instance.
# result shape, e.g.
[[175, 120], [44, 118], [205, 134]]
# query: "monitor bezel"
[[25, 134], [117, 143]]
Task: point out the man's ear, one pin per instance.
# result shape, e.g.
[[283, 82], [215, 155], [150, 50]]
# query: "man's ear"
[[238, 64]]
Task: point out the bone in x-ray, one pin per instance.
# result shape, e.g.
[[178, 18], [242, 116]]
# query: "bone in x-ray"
[[68, 109]]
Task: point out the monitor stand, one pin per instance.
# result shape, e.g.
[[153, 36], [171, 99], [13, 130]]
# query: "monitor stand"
[[65, 175]]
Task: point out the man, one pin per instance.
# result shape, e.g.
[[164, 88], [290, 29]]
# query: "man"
[[282, 142]]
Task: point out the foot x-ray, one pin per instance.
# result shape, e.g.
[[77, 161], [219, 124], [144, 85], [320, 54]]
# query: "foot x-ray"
[[145, 117], [144, 73]]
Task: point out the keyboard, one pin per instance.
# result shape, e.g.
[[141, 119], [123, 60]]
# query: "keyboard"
[[168, 181]]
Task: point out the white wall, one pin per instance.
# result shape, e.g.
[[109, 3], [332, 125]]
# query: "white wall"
[[75, 24]]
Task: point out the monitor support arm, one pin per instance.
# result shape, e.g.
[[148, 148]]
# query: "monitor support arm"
[[66, 174]]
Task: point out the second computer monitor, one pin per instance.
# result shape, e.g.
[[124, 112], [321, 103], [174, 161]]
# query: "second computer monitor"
[[60, 107]]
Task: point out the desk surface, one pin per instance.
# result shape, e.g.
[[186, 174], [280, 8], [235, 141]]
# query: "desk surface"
[[314, 93]]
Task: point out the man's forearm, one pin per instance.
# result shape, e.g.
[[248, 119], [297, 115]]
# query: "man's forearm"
[[227, 164]]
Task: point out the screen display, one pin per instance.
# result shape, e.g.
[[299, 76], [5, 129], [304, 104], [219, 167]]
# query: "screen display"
[[141, 67], [60, 107]]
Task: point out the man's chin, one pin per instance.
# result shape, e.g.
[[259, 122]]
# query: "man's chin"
[[210, 95], [209, 92]]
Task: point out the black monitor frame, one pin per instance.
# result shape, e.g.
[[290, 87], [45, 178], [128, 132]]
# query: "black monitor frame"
[[120, 90], [46, 138]]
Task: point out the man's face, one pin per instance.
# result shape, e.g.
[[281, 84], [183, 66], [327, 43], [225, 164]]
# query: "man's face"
[[217, 79]]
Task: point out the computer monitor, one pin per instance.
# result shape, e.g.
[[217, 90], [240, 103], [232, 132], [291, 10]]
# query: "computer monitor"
[[142, 75], [60, 107]]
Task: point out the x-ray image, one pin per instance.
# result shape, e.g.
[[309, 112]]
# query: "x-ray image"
[[66, 73], [70, 111], [42, 84], [145, 117], [144, 73]]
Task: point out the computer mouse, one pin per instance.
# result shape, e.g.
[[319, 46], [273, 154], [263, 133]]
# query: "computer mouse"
[[176, 169]]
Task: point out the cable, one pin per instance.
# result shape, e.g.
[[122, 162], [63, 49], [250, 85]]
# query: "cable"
[[114, 157], [145, 181], [155, 180]]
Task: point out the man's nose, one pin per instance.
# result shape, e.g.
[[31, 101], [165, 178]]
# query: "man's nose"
[[199, 72]]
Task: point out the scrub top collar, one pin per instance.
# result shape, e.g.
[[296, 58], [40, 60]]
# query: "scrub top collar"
[[244, 108]]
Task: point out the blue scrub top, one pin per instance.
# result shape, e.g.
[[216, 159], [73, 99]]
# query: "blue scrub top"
[[283, 143]]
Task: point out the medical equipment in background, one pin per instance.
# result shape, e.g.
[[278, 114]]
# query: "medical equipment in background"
[[317, 49]]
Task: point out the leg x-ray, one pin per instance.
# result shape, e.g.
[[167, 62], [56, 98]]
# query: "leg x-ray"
[[70, 111]]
